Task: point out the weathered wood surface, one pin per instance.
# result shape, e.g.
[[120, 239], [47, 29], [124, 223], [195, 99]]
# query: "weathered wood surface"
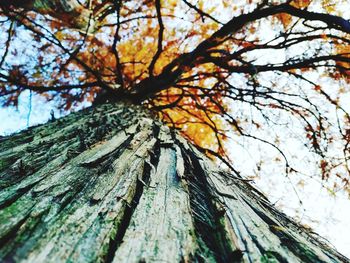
[[110, 184]]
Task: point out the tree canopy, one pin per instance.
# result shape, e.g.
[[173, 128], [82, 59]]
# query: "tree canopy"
[[220, 71]]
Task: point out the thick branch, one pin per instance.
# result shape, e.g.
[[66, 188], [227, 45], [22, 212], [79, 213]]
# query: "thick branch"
[[173, 71], [160, 38]]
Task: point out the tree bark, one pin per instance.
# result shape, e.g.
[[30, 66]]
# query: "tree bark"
[[112, 184], [71, 13]]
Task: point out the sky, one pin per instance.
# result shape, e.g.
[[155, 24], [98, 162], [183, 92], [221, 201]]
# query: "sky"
[[14, 119]]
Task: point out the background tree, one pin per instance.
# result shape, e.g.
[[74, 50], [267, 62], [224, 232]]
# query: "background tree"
[[199, 66]]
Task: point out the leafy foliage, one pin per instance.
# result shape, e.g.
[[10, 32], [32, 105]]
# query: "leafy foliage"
[[220, 71]]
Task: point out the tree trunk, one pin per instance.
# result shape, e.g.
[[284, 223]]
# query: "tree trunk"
[[112, 184]]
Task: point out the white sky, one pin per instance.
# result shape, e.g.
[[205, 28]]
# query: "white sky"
[[12, 119]]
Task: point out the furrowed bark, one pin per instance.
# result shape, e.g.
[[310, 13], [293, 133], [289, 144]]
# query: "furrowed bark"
[[112, 184]]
